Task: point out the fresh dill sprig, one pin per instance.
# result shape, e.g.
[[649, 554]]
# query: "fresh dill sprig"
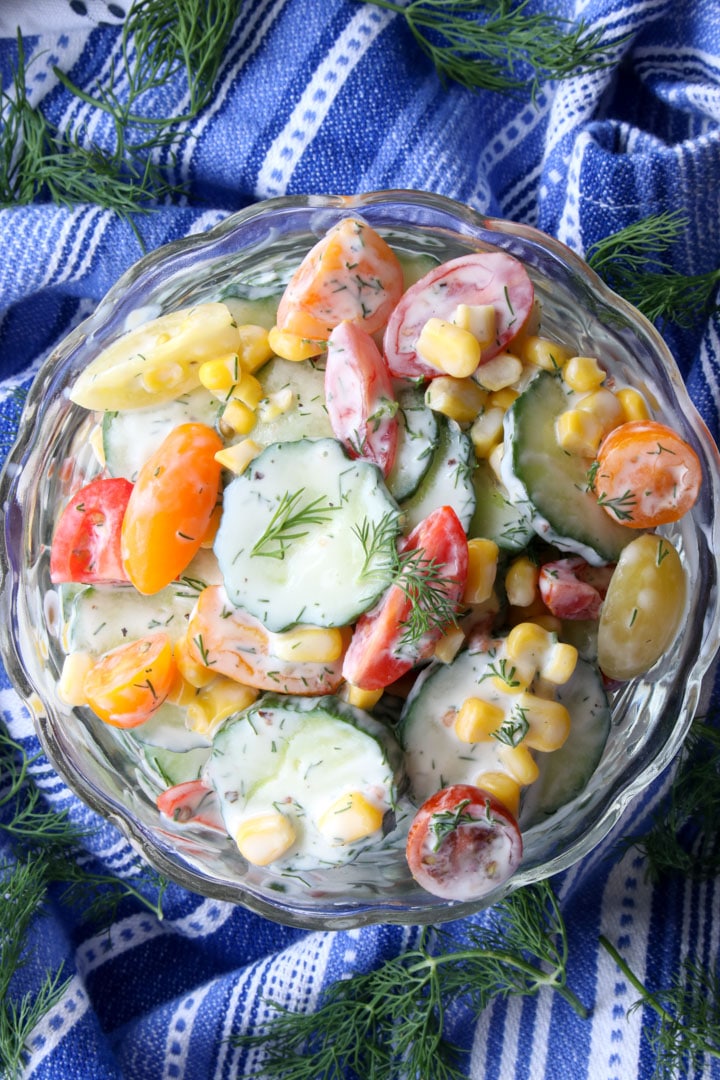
[[289, 523], [430, 591], [687, 1026], [377, 539], [389, 1023], [498, 44], [684, 838], [631, 262]]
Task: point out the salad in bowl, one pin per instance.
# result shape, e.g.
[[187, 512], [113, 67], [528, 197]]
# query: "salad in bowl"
[[368, 569]]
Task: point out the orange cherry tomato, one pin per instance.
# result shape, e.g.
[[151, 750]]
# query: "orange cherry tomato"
[[126, 685], [169, 511], [351, 273], [646, 475]]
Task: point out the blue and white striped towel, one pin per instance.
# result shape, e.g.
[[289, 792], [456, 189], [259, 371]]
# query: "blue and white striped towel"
[[335, 97]]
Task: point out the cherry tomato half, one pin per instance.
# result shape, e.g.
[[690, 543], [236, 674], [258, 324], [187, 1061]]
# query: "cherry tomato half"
[[360, 397], [193, 800], [86, 544], [383, 646], [572, 589], [351, 273], [463, 843], [126, 685], [646, 475], [170, 508], [477, 279]]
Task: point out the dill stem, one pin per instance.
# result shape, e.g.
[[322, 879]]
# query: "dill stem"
[[648, 998]]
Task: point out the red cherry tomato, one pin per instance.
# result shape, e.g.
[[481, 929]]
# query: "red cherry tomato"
[[86, 544], [360, 398], [193, 800], [383, 646], [171, 506], [572, 589], [483, 278], [463, 843]]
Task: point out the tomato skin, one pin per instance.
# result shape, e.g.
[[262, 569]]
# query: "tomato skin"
[[377, 654], [126, 685], [480, 278], [192, 800], [463, 843], [86, 544], [170, 508], [351, 273], [646, 475], [360, 397]]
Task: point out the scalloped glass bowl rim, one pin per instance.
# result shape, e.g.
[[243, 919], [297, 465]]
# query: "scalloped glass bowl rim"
[[462, 218]]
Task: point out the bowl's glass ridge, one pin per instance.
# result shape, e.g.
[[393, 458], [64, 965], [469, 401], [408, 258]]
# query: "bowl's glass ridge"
[[651, 715]]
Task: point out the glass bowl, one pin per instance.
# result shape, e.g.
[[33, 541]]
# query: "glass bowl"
[[257, 247]]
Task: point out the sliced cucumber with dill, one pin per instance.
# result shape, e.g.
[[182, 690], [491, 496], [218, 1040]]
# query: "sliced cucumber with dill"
[[130, 437], [448, 481], [173, 767], [294, 402], [307, 536], [554, 484], [416, 444], [497, 517]]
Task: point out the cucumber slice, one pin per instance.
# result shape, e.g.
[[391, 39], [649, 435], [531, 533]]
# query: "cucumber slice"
[[255, 310], [307, 536], [448, 481], [176, 768], [566, 772], [307, 417], [434, 755], [302, 757], [496, 516], [130, 437], [416, 444], [536, 470]]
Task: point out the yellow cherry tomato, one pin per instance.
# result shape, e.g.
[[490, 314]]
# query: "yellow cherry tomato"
[[126, 685]]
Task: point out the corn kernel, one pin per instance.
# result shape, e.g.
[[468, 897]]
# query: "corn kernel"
[[237, 457], [482, 568], [190, 667], [237, 418], [213, 525], [519, 762], [265, 837], [633, 404], [220, 374], [476, 720], [449, 645], [521, 581], [499, 373], [528, 641], [495, 460], [487, 431], [503, 787], [350, 818], [308, 644], [181, 692], [255, 349], [549, 722], [97, 445], [248, 389], [605, 406], [559, 663], [71, 684], [544, 353], [503, 399], [583, 373], [460, 399], [579, 432], [361, 699], [215, 702], [448, 348], [275, 404], [293, 347], [479, 319]]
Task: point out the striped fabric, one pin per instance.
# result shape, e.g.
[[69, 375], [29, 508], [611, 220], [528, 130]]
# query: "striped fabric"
[[335, 97]]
